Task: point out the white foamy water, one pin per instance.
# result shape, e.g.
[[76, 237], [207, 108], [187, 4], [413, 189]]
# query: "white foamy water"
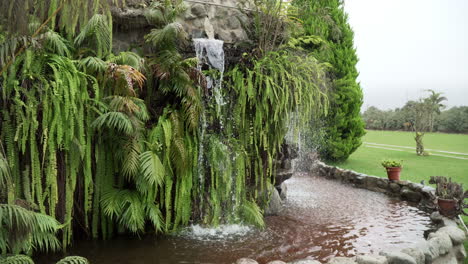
[[221, 232]]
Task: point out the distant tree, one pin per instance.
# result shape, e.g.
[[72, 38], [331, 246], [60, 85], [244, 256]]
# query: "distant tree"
[[435, 102], [454, 120], [419, 115]]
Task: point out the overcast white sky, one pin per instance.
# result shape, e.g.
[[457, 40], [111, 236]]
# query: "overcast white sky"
[[407, 46]]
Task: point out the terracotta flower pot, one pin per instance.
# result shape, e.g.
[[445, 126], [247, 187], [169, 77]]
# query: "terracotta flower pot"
[[447, 207], [393, 173]]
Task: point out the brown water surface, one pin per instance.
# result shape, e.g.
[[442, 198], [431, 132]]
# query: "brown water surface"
[[321, 219]]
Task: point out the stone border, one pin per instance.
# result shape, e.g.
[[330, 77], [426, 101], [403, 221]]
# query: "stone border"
[[444, 245]]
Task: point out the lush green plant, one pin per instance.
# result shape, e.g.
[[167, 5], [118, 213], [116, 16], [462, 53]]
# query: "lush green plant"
[[23, 259], [112, 142], [390, 163], [446, 189], [343, 125]]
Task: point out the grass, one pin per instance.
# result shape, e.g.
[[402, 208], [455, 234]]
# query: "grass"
[[415, 168], [440, 141]]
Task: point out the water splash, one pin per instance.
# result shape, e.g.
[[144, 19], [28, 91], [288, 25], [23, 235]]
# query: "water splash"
[[222, 232]]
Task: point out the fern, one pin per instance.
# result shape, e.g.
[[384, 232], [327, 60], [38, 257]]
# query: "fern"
[[73, 260], [17, 259]]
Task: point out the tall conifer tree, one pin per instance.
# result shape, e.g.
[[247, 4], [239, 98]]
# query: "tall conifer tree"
[[343, 124]]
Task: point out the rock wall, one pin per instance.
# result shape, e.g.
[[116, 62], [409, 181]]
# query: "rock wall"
[[443, 245], [220, 19]]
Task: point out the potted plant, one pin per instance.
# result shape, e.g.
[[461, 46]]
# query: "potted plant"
[[393, 168], [450, 196]]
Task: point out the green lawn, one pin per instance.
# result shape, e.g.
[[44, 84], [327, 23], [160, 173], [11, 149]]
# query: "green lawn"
[[439, 141], [415, 168]]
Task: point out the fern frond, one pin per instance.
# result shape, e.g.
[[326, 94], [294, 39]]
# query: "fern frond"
[[252, 213], [56, 43], [92, 65], [73, 260], [114, 120], [98, 30], [17, 259], [152, 168]]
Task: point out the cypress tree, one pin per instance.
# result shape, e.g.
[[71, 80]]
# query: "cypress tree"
[[343, 125]]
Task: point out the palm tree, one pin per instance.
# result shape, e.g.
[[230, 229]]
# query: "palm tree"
[[435, 101]]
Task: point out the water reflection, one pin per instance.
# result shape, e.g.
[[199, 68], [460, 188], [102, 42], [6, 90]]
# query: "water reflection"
[[321, 219]]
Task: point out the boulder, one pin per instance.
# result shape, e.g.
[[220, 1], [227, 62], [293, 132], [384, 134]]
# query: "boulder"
[[409, 195], [456, 234], [199, 10], [276, 262], [460, 253], [341, 260], [394, 187], [371, 259], [395, 257], [436, 217], [417, 254], [274, 206], [439, 243], [284, 191], [305, 261], [246, 261]]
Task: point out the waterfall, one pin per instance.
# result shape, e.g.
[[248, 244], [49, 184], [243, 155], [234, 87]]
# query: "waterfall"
[[211, 52]]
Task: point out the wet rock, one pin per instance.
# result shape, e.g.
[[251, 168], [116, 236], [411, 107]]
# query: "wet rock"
[[415, 186], [460, 253], [371, 259], [394, 187], [439, 243], [436, 217], [409, 195], [449, 222], [395, 257], [382, 183], [283, 175], [417, 254], [275, 205], [199, 10], [305, 261], [341, 260], [403, 183], [246, 261], [276, 262], [284, 191], [456, 234], [233, 22]]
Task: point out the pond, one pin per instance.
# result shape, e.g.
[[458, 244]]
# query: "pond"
[[321, 219]]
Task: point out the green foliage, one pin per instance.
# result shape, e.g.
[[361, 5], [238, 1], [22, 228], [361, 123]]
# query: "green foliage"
[[273, 22], [23, 230], [73, 260], [16, 259], [454, 120], [343, 126], [109, 143], [23, 259], [390, 163]]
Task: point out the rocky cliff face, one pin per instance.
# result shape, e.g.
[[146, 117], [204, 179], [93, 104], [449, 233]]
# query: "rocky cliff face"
[[219, 19]]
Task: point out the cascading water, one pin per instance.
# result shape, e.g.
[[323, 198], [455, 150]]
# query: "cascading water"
[[210, 53]]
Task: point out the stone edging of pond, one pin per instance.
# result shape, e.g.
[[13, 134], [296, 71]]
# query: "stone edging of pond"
[[443, 245]]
